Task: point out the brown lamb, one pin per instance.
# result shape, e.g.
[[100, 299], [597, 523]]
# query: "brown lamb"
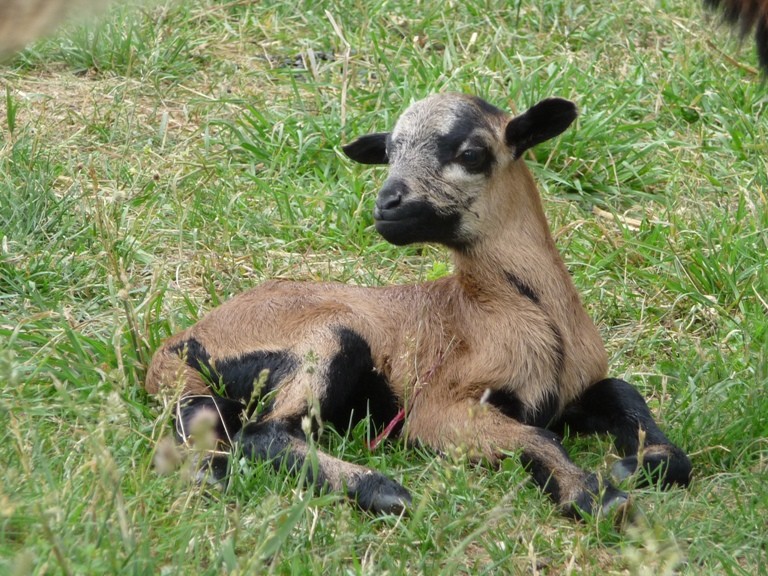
[[499, 357]]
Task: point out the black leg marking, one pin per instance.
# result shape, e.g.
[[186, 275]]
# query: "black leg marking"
[[510, 405], [224, 420], [614, 406], [355, 388], [227, 416], [542, 475], [598, 498], [239, 374], [761, 38], [275, 441], [213, 469], [282, 445]]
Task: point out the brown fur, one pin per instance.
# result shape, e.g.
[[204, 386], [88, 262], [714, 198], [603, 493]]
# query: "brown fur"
[[473, 326], [23, 21]]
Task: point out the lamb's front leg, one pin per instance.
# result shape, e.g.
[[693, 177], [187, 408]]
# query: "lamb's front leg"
[[615, 407], [284, 444], [483, 431]]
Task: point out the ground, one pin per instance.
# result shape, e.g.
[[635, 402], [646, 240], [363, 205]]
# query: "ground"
[[166, 156]]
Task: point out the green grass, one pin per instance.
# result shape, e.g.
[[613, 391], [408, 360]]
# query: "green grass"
[[158, 161]]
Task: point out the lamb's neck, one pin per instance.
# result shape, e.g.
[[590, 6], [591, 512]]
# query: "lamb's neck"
[[521, 258]]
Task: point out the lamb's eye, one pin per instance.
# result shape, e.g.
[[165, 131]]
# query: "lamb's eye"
[[473, 158]]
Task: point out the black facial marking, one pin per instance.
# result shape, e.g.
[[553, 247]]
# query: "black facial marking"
[[476, 160], [419, 221], [390, 197], [355, 388], [239, 374], [523, 287], [462, 131], [486, 108]]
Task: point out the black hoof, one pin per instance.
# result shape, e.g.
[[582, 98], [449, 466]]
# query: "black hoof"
[[212, 470], [666, 469], [615, 504], [624, 468], [605, 501], [377, 493]]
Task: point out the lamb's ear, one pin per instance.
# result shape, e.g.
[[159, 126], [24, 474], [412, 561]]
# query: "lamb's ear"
[[368, 149], [541, 122]]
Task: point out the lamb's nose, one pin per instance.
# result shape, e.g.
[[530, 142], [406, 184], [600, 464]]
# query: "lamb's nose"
[[391, 195]]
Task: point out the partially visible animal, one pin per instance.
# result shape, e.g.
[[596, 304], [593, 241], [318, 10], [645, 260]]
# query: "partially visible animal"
[[498, 358], [747, 15], [22, 21]]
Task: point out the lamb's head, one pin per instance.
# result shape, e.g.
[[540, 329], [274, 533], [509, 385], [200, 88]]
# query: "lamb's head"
[[445, 154]]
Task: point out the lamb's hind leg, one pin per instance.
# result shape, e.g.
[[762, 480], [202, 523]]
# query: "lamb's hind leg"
[[202, 418], [342, 382], [613, 406], [334, 372], [209, 422]]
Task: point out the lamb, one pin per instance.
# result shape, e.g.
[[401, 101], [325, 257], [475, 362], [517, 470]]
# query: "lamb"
[[499, 357]]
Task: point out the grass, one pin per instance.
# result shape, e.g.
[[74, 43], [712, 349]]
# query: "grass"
[[168, 156]]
